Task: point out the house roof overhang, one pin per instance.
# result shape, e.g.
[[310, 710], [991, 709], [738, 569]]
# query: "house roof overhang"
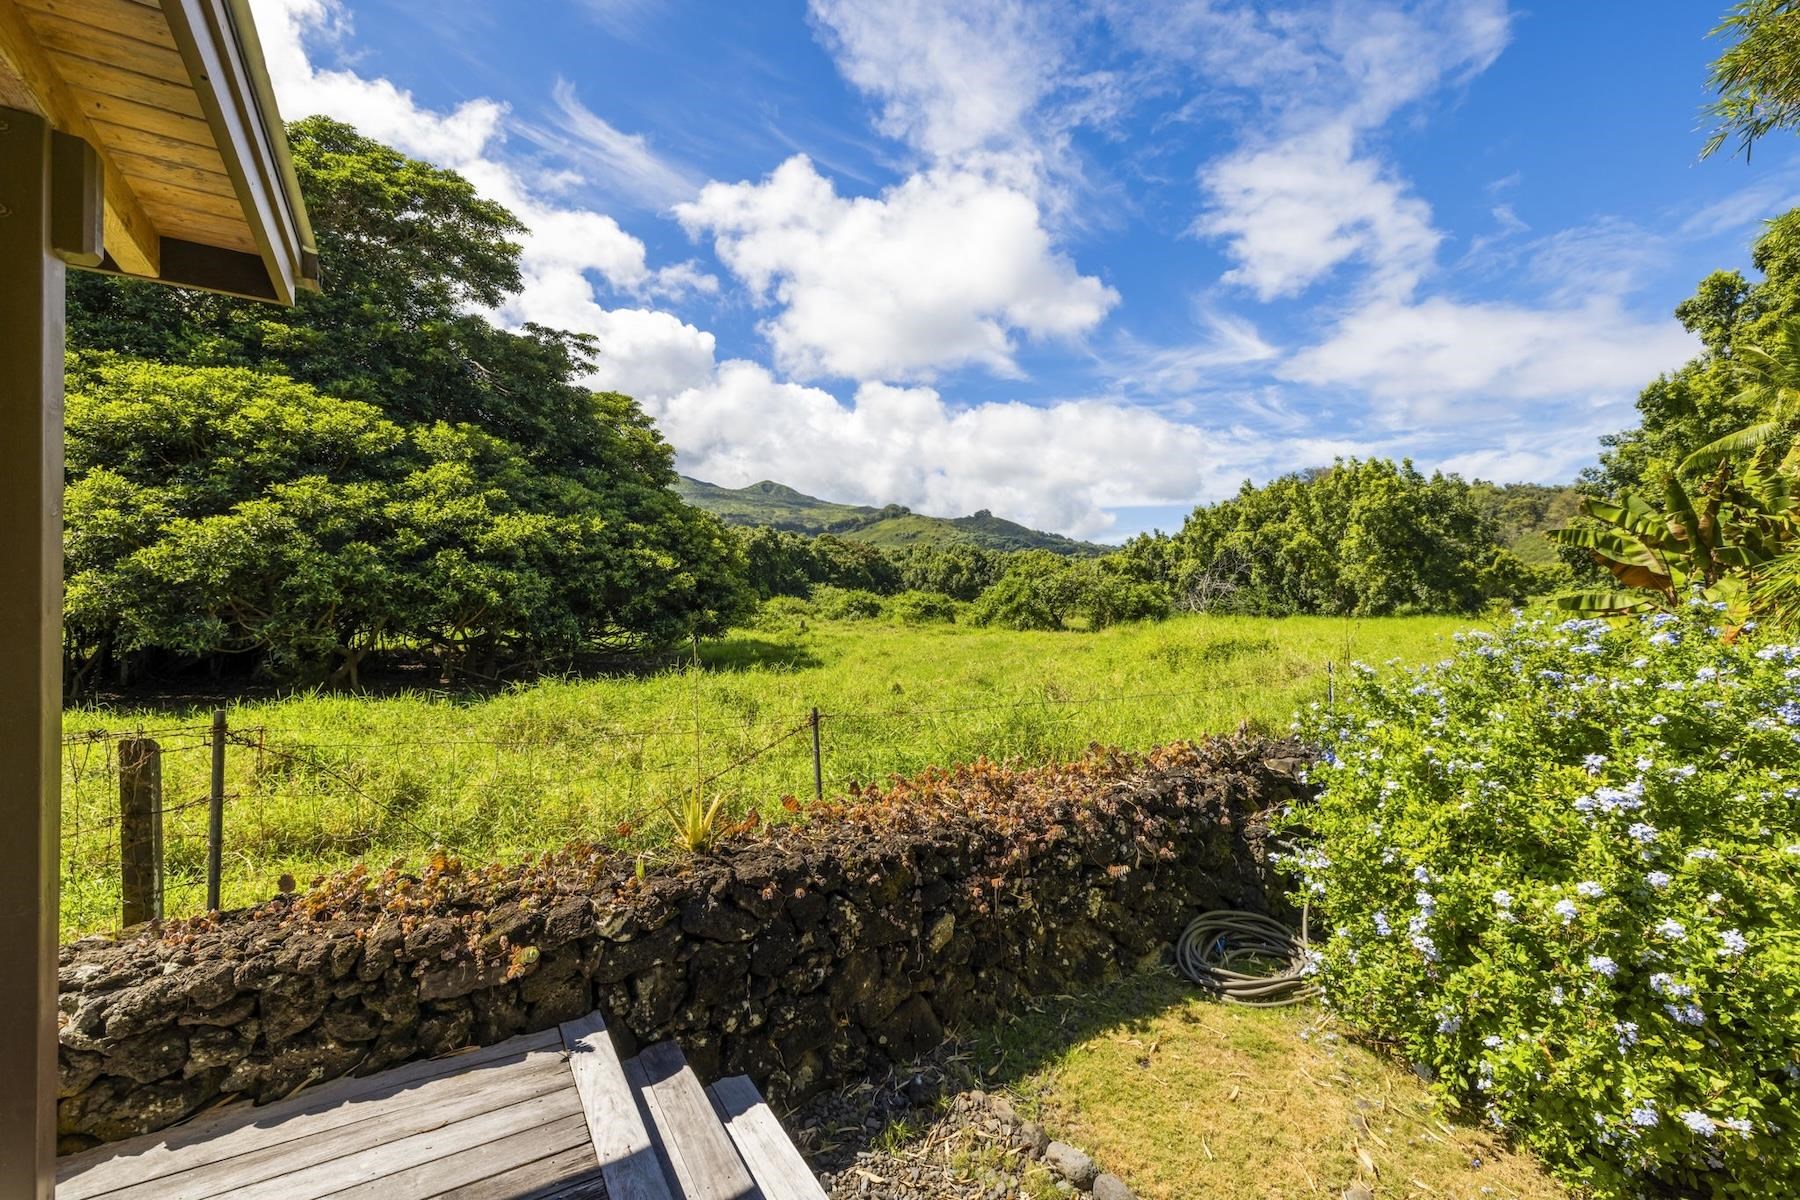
[[173, 98]]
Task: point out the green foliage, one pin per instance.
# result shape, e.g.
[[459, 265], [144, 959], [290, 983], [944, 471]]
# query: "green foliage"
[[1523, 513], [1719, 542], [956, 570], [781, 563], [1758, 76], [228, 511], [1041, 590], [696, 823], [846, 604], [920, 608], [376, 466], [1707, 399], [1037, 592], [1771, 373], [1563, 868], [1358, 538]]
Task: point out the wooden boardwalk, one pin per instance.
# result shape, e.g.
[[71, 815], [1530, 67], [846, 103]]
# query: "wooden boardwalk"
[[550, 1116]]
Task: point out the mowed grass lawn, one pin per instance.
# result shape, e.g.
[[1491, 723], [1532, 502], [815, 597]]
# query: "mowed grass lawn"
[[333, 779], [1183, 1096]]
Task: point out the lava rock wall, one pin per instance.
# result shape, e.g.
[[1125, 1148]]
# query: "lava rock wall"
[[803, 954]]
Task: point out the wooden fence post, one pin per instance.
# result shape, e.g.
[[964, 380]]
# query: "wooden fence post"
[[215, 812], [140, 830], [818, 765]]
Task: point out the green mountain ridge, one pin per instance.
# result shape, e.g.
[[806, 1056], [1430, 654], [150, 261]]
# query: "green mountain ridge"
[[782, 507]]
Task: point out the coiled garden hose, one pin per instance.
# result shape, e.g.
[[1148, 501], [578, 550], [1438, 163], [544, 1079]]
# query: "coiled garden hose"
[[1247, 958]]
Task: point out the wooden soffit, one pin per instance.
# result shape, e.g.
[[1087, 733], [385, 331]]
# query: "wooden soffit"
[[175, 100]]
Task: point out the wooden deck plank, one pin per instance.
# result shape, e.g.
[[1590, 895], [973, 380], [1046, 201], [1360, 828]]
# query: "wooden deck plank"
[[765, 1147], [572, 1174], [621, 1139], [240, 1128], [495, 1162], [473, 1096], [706, 1164], [395, 1159]]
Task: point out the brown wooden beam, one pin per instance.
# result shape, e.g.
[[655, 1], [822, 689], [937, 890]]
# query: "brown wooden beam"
[[31, 477], [131, 236]]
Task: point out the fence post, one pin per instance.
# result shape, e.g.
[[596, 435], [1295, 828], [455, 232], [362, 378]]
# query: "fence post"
[[1330, 688], [215, 812], [140, 830], [818, 765]]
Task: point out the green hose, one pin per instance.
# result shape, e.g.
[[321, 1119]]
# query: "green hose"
[[1247, 958]]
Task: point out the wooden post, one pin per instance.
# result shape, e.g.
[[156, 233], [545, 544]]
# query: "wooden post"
[[818, 764], [215, 813], [31, 471], [140, 829], [1330, 688]]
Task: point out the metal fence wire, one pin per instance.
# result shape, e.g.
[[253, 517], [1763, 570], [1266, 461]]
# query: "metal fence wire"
[[236, 811]]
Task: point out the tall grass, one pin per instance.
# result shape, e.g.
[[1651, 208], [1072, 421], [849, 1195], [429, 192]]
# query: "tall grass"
[[328, 779]]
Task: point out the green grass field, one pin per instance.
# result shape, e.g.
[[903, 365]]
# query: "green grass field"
[[319, 781]]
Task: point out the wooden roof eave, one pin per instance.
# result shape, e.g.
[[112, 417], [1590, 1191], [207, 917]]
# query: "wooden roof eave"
[[248, 235]]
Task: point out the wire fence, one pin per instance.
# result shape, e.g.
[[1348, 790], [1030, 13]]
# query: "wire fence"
[[234, 809]]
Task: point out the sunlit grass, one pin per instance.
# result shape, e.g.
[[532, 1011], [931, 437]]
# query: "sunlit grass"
[[335, 778], [1183, 1096]]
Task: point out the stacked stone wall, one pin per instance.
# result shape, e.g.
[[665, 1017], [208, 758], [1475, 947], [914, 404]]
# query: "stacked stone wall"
[[804, 954]]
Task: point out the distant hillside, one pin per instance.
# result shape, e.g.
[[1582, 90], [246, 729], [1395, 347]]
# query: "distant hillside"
[[780, 506], [1524, 511]]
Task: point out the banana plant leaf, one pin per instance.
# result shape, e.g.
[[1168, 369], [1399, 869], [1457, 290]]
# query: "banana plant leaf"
[[1743, 441], [1604, 604]]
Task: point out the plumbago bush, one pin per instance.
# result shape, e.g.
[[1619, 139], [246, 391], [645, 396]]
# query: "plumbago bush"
[[1562, 869]]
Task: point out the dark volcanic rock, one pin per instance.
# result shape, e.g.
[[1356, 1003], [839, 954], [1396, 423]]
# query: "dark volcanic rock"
[[805, 954]]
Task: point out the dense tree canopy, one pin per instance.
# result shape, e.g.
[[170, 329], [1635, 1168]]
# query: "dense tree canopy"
[[1362, 537], [1711, 395], [378, 465]]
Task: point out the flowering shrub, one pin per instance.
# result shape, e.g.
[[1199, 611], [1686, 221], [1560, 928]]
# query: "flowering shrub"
[[1562, 869]]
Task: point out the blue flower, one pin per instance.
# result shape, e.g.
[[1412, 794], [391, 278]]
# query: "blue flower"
[[1644, 1116], [1699, 1122], [1687, 1014], [1734, 944], [1382, 928], [1603, 964], [1672, 929], [1663, 984], [1658, 879], [1566, 910], [1590, 889]]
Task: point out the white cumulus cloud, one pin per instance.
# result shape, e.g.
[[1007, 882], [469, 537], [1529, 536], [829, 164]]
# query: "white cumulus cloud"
[[953, 77], [940, 271], [1059, 466]]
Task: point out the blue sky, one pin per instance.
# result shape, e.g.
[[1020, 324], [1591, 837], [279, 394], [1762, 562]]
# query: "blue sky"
[[1081, 262]]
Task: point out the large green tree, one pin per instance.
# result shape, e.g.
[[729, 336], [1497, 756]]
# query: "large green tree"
[[1715, 393], [379, 465], [1362, 537]]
